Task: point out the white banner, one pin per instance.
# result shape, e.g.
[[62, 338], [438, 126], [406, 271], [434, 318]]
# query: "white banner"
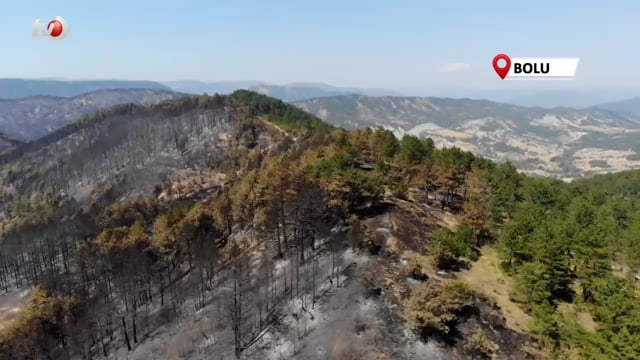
[[534, 68], [543, 68]]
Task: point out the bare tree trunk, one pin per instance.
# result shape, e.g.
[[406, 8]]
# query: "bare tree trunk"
[[135, 332], [313, 292], [101, 336], [126, 334]]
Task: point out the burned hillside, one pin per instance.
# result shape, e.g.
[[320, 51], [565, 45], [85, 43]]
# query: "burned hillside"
[[241, 227]]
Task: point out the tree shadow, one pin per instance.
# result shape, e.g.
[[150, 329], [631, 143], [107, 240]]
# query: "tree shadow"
[[455, 265], [453, 335], [373, 210], [565, 293]]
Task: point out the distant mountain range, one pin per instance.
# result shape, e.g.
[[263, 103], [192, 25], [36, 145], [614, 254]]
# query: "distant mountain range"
[[553, 97], [20, 88], [561, 142], [547, 98], [210, 87], [288, 92], [576, 98], [304, 91], [629, 108], [33, 117]]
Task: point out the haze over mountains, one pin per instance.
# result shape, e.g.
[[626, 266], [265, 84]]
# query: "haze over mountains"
[[20, 88], [557, 96], [210, 87], [549, 98], [564, 142], [629, 108], [287, 92], [537, 96]]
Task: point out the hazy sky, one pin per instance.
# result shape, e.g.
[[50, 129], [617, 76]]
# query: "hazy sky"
[[373, 43]]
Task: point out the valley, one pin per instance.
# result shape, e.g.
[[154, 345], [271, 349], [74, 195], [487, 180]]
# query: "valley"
[[560, 142]]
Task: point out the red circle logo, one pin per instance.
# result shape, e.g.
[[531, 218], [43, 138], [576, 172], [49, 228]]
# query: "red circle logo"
[[54, 27]]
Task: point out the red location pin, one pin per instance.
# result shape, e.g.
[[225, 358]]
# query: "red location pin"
[[502, 71]]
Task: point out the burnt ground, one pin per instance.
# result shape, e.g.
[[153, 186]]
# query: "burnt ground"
[[357, 317], [406, 229], [351, 321]]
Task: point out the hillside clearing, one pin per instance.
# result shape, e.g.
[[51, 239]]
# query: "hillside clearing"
[[485, 278], [583, 318]]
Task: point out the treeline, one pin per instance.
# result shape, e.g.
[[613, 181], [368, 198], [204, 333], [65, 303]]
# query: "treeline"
[[624, 184], [279, 112]]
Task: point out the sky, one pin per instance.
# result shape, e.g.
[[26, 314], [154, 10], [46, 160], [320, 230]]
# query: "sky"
[[375, 43]]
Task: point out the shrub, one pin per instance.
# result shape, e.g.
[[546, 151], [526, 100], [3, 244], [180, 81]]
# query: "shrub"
[[433, 307], [415, 268], [449, 246], [399, 190], [477, 344]]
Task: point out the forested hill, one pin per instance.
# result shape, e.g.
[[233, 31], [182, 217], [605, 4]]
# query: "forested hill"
[[624, 184], [241, 227], [126, 138]]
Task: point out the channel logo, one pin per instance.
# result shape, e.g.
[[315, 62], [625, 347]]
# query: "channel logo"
[[56, 29]]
